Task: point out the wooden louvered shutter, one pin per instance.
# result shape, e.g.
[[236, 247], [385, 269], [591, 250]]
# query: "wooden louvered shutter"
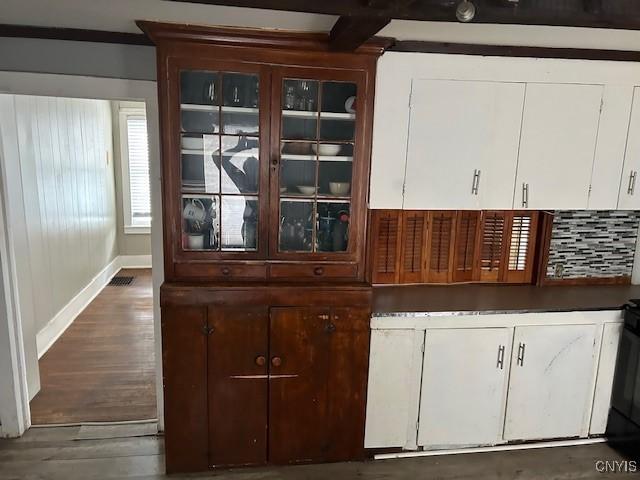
[[440, 233], [385, 245], [520, 249], [492, 246], [414, 235], [467, 224]]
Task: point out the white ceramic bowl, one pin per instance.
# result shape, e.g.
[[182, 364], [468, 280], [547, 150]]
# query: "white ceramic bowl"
[[306, 189], [339, 188], [328, 149]]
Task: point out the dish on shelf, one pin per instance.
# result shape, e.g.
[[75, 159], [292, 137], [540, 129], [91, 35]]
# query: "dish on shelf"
[[339, 188], [350, 105], [328, 149], [283, 189], [298, 148], [307, 189]]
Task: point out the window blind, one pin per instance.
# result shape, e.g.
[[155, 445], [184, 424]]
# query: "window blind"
[[139, 188]]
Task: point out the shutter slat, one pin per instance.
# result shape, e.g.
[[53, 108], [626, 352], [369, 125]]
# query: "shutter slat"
[[385, 249], [492, 245], [414, 226], [465, 245]]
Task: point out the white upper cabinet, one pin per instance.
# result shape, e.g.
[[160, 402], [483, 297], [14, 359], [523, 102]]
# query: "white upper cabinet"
[[557, 146], [629, 197], [551, 382], [463, 144]]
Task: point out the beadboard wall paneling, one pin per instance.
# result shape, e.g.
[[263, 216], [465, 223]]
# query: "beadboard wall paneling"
[[67, 174], [588, 244]]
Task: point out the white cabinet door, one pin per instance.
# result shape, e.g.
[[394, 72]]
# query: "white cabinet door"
[[464, 386], [557, 146], [395, 365], [629, 197], [463, 144], [551, 382]]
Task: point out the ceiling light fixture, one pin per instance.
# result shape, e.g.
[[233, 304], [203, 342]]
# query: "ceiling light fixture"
[[465, 11]]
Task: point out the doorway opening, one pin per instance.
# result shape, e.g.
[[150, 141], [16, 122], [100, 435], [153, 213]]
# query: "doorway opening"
[[78, 193]]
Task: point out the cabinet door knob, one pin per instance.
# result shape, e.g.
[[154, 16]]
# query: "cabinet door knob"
[[260, 360], [330, 328], [318, 271], [226, 271], [276, 361], [274, 161]]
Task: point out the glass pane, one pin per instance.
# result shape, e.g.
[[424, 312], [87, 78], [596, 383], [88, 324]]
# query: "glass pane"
[[200, 88], [334, 179], [296, 226], [240, 90], [203, 120], [200, 172], [333, 227], [339, 103], [240, 164], [239, 223], [239, 122], [298, 169], [299, 128], [201, 222], [300, 95]]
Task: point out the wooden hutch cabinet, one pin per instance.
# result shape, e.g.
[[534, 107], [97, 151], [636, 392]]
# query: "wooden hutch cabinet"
[[266, 142]]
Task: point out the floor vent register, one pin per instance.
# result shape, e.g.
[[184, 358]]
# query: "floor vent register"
[[120, 281]]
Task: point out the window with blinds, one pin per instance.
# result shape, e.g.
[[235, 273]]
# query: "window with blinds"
[[453, 246], [136, 189]]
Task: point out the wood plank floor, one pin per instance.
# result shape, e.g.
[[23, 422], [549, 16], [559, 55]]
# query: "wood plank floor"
[[102, 368], [55, 453]]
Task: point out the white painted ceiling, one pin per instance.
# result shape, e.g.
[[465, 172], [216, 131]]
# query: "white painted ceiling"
[[119, 16]]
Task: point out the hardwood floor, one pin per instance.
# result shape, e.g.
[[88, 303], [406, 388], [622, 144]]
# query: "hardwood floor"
[[69, 453], [102, 368]]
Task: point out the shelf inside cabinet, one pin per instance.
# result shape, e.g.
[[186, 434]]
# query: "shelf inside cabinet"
[[312, 157], [323, 115], [193, 107]]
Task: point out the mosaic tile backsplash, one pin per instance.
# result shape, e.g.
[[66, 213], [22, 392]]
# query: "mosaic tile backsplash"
[[592, 244]]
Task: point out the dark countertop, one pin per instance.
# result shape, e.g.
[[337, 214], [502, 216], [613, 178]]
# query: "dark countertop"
[[499, 298]]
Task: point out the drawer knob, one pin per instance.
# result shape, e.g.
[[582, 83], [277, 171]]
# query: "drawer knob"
[[226, 271], [318, 271], [260, 360], [276, 361]]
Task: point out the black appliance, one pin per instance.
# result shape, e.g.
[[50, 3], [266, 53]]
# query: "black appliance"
[[624, 418]]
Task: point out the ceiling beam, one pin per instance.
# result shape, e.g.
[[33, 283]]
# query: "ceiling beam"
[[349, 33], [623, 14]]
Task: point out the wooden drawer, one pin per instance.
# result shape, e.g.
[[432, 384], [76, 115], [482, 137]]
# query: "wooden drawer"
[[313, 271], [221, 271]]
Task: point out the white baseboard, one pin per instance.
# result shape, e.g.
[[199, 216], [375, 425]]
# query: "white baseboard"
[[65, 317], [135, 261]]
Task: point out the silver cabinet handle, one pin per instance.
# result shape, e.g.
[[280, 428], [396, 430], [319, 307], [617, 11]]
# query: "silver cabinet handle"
[[632, 182], [521, 350], [500, 363], [475, 186], [525, 195]]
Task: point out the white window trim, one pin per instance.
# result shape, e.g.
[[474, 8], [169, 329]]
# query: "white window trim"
[[123, 113]]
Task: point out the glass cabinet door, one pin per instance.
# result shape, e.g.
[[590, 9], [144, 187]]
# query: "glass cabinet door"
[[317, 133], [220, 158]]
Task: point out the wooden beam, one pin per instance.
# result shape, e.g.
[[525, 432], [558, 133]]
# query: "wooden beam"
[[349, 33], [623, 14]]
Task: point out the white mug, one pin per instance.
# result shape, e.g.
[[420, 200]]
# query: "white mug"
[[195, 241], [194, 210]]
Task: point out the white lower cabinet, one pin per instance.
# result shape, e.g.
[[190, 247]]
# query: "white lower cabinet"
[[458, 381], [551, 382], [464, 380]]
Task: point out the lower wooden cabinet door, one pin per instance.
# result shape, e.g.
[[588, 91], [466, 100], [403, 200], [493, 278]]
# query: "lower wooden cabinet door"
[[317, 384], [551, 382], [184, 371], [238, 385], [464, 385]]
